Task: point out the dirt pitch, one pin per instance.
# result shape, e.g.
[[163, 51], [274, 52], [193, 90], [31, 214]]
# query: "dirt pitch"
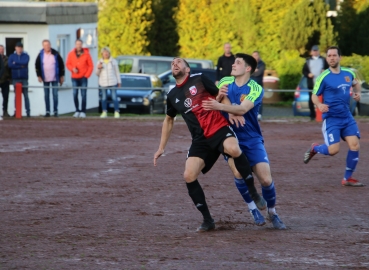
[[83, 194]]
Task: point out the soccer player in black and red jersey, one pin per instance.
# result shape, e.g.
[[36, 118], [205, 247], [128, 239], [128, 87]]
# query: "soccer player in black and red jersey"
[[210, 131]]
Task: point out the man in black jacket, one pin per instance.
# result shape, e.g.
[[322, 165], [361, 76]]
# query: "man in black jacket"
[[225, 62], [312, 68], [50, 70]]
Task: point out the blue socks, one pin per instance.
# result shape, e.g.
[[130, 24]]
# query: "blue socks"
[[351, 162], [322, 149], [269, 195], [242, 188]]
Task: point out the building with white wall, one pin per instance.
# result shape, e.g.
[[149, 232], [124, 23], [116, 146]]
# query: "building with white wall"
[[62, 24]]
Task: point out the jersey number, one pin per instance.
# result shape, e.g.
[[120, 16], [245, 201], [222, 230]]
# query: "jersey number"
[[331, 139]]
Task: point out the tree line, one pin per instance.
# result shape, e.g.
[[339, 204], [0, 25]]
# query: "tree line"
[[282, 31]]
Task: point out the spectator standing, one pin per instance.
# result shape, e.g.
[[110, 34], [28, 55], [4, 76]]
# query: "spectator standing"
[[79, 63], [257, 76], [108, 72], [225, 62], [50, 70], [312, 68], [18, 64], [4, 80]]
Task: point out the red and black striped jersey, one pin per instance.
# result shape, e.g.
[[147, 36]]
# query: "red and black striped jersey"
[[187, 98]]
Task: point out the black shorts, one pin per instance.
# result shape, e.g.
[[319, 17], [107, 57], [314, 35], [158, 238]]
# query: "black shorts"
[[210, 149]]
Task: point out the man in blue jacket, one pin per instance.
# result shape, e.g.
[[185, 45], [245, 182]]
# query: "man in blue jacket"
[[18, 64]]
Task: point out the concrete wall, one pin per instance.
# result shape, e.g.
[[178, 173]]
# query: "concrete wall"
[[33, 34]]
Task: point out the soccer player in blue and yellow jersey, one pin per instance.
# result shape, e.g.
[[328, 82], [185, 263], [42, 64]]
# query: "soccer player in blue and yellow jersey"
[[245, 97], [334, 85]]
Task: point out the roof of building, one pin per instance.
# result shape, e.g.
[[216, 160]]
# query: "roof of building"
[[47, 12]]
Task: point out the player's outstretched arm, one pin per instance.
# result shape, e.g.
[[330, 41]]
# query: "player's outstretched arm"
[[241, 109], [165, 134]]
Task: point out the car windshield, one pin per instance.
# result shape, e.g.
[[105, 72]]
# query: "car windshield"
[[135, 81]]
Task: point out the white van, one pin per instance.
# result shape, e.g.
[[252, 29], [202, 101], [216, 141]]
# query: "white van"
[[155, 64]]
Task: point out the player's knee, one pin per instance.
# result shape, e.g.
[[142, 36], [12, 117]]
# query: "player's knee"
[[233, 150], [189, 176], [355, 146], [265, 182]]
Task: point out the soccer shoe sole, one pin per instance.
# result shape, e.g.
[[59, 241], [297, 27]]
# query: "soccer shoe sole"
[[308, 155]]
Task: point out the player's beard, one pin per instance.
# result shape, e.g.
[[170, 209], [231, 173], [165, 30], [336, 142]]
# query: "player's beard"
[[334, 65], [178, 74]]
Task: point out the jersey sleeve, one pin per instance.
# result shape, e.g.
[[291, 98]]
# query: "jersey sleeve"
[[225, 81], [256, 92], [171, 111], [319, 83], [209, 85]]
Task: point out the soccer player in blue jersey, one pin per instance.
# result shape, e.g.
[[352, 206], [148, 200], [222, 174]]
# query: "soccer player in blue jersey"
[[244, 99], [334, 85]]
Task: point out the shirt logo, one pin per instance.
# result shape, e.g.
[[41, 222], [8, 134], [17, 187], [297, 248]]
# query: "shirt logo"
[[188, 102], [177, 100], [193, 90], [243, 97], [347, 79]]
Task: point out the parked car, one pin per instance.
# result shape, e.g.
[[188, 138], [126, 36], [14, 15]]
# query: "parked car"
[[146, 95], [169, 82], [155, 64], [364, 100], [300, 105]]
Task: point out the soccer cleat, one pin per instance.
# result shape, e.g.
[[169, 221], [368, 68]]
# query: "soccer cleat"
[[82, 115], [351, 182], [277, 223], [116, 115], [258, 217], [310, 153], [104, 115], [260, 202], [206, 226], [76, 115]]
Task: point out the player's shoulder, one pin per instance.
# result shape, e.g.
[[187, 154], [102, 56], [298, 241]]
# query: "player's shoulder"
[[225, 80], [196, 75], [254, 86], [323, 75], [348, 70]]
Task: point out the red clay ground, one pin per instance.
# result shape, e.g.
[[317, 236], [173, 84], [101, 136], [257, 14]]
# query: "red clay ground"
[[83, 194]]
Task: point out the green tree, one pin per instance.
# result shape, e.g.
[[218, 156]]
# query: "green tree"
[[352, 26], [124, 26], [305, 25], [163, 34]]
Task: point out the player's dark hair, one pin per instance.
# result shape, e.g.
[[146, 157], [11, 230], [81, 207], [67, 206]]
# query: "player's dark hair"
[[335, 48], [249, 60], [186, 63]]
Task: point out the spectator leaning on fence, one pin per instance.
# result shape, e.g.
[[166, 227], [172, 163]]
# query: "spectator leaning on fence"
[[79, 63], [50, 70], [108, 72], [4, 80], [18, 64]]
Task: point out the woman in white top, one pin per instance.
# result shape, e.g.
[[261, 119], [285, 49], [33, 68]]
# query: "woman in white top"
[[108, 72]]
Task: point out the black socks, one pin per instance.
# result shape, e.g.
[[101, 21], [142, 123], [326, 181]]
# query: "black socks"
[[198, 197], [243, 167]]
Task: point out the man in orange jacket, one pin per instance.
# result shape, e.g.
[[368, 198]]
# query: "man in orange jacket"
[[80, 64]]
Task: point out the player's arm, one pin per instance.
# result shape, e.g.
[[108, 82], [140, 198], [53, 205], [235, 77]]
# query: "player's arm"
[[317, 91], [166, 130], [356, 88]]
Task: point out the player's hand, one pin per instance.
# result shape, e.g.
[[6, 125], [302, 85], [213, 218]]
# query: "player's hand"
[[356, 96], [211, 104], [237, 120], [323, 107], [157, 155]]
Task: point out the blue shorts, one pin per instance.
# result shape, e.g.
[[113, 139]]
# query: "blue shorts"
[[336, 128], [254, 150]]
